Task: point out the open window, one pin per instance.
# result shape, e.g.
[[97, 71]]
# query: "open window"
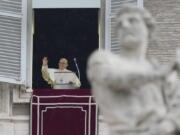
[[16, 53], [64, 29], [70, 33], [16, 27]]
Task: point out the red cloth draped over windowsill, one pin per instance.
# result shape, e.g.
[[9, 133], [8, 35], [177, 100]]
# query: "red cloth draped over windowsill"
[[63, 112]]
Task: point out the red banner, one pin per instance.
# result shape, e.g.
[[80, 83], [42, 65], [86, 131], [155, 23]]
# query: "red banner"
[[63, 112]]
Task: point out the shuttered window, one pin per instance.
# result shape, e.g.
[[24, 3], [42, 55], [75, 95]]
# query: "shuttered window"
[[13, 41], [111, 42]]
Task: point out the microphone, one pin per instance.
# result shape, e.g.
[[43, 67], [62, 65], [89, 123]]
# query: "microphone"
[[77, 67], [75, 60]]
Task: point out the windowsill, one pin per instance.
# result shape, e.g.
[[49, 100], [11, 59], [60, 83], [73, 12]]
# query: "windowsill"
[[15, 118]]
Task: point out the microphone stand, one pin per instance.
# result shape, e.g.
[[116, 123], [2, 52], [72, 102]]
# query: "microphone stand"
[[77, 67]]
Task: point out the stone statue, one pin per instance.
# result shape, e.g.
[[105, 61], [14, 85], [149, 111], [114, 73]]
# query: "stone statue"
[[136, 96]]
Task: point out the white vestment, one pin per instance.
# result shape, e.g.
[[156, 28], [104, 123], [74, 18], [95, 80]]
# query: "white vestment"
[[62, 79]]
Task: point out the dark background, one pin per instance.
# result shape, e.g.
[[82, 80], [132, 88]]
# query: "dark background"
[[68, 33]]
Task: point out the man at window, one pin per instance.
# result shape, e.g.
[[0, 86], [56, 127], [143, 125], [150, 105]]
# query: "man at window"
[[60, 78]]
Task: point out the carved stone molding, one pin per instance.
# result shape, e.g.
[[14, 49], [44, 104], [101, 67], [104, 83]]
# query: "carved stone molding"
[[19, 95]]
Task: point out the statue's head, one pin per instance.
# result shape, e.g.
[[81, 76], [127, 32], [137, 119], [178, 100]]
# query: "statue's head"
[[133, 26]]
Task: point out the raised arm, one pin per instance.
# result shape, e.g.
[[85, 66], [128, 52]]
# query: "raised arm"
[[45, 61], [45, 72]]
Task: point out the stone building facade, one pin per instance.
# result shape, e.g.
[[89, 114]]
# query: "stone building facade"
[[166, 39], [14, 100]]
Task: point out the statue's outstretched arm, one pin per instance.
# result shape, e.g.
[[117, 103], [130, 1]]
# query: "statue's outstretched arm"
[[112, 71]]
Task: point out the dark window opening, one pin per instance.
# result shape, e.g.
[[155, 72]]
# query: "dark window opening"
[[68, 33]]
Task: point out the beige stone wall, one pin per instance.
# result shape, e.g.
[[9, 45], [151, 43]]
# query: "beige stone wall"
[[15, 121], [14, 117], [4, 100], [167, 35]]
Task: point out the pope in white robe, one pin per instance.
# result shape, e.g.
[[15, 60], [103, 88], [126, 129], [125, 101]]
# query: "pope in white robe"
[[60, 78]]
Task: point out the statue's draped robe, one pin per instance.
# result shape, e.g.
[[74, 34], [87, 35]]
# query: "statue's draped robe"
[[133, 105]]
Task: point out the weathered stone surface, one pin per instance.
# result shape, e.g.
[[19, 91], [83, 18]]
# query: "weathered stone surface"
[[4, 99], [166, 40], [6, 128]]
